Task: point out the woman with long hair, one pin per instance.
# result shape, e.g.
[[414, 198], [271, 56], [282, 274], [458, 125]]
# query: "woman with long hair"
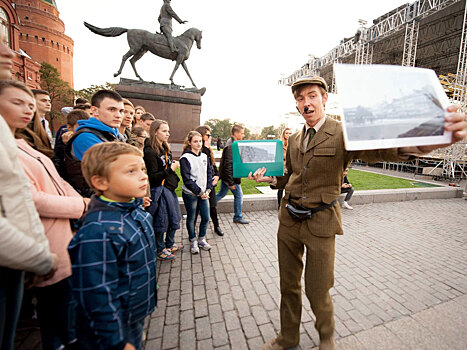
[[197, 185], [206, 134], [56, 202], [162, 180], [139, 111], [36, 136], [285, 138]]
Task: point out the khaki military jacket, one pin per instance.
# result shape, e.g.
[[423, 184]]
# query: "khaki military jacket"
[[315, 177]]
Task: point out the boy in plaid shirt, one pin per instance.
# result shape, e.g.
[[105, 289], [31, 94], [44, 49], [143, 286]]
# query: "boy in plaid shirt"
[[113, 254]]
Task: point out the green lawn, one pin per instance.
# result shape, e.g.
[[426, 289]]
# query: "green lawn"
[[360, 180]]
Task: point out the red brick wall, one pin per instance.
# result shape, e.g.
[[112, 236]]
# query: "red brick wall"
[[42, 36]]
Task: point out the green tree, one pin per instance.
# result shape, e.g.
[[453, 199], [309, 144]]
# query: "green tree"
[[61, 94], [88, 92], [269, 130], [220, 127]]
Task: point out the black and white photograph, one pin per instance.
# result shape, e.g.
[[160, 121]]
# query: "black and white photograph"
[[390, 106], [257, 152]]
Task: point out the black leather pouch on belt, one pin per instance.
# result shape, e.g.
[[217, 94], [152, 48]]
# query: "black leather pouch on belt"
[[300, 213]]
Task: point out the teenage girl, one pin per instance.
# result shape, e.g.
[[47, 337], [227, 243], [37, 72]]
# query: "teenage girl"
[[161, 172], [197, 185], [206, 134]]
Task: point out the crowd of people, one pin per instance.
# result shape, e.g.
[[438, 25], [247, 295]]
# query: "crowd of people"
[[86, 214], [84, 217]]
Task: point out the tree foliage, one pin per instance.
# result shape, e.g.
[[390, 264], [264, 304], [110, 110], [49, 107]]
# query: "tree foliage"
[[220, 127], [270, 130], [61, 94], [88, 92]]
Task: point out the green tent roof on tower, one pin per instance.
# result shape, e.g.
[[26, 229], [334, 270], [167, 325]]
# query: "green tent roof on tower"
[[51, 2]]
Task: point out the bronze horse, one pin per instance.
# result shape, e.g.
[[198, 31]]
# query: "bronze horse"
[[142, 41]]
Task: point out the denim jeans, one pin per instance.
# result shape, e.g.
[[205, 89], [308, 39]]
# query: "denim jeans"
[[238, 198], [11, 293], [191, 203], [161, 244]]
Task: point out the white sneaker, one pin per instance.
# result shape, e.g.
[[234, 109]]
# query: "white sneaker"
[[194, 247], [204, 245], [346, 206]]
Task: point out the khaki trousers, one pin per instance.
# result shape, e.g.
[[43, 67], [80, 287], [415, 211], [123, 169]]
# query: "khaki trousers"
[[319, 278]]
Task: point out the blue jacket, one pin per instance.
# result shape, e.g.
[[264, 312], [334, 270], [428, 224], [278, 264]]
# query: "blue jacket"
[[84, 141], [163, 210], [113, 259]]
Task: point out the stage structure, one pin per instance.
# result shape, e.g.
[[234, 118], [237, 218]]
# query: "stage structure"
[[426, 33]]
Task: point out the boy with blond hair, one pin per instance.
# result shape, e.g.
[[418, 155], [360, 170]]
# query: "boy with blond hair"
[[113, 254]]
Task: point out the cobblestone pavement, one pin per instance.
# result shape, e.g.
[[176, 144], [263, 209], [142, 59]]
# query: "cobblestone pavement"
[[401, 283]]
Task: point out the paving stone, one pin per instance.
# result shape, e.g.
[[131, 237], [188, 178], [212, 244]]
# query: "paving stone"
[[154, 344], [201, 308], [381, 338], [170, 336], [199, 292], [242, 307], [267, 331], [172, 315], [260, 315], [393, 282], [434, 320], [350, 343], [226, 303], [219, 334], [188, 340], [415, 335], [237, 340], [215, 313], [156, 327], [187, 320], [203, 328], [250, 328], [205, 344], [232, 321], [255, 343]]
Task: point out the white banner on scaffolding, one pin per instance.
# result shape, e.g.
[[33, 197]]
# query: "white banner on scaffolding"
[[391, 106]]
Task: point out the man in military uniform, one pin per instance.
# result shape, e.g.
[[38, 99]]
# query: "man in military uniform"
[[310, 216], [165, 20]]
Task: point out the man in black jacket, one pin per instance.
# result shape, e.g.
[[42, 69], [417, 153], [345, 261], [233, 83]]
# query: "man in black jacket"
[[226, 174]]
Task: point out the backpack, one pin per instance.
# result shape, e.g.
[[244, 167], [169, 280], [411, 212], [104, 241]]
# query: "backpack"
[[73, 173]]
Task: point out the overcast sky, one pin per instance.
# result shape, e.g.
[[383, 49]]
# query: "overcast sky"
[[246, 47]]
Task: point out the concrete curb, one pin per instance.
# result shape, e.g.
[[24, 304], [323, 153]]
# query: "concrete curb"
[[260, 202]]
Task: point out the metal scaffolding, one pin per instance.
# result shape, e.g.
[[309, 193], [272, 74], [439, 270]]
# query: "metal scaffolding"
[[459, 95], [410, 43], [364, 53], [383, 27]]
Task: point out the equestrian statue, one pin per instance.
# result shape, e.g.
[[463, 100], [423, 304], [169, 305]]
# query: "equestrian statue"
[[142, 41]]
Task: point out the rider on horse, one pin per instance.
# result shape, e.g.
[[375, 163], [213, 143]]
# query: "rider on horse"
[[165, 20]]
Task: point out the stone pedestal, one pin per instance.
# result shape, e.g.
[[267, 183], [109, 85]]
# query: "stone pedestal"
[[181, 108]]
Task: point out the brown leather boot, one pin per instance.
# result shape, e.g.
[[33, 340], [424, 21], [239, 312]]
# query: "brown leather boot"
[[272, 345], [327, 344]]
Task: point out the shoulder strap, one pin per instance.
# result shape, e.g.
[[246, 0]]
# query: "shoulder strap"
[[166, 164], [104, 136]]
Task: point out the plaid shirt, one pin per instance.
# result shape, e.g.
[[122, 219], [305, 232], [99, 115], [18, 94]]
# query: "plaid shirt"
[[114, 269]]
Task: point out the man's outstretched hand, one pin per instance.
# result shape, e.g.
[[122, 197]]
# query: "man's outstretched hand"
[[455, 122], [258, 176]]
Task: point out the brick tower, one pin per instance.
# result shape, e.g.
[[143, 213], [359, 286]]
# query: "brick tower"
[[42, 35]]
